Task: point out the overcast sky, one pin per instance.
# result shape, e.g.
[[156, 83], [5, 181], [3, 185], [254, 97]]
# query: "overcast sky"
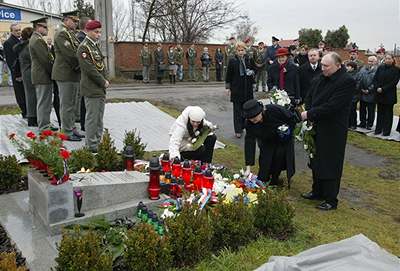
[[369, 22]]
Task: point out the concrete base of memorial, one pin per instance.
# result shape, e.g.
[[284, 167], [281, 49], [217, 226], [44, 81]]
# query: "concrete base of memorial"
[[105, 194]]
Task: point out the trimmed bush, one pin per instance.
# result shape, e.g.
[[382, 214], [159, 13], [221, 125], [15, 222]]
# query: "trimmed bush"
[[233, 225], [8, 262], [190, 235], [107, 156], [146, 250], [273, 214], [10, 171], [82, 158], [132, 138], [82, 251]]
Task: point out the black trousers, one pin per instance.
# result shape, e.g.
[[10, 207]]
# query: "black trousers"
[[327, 189], [367, 114], [353, 115], [56, 102], [238, 119], [218, 70], [19, 92], [270, 170], [204, 153], [384, 120], [83, 114]]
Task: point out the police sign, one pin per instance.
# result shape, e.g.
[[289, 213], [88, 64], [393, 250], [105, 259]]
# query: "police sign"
[[10, 14]]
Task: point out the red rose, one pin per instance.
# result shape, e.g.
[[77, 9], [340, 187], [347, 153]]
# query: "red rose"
[[31, 135], [47, 133], [62, 136], [65, 154]]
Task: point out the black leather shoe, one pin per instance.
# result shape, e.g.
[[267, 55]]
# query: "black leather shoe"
[[326, 206], [310, 196], [74, 138]]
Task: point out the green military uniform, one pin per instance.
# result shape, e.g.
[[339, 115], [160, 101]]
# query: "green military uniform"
[[230, 52], [67, 75], [261, 67], [191, 58], [42, 61], [145, 58], [250, 51], [359, 63], [179, 62], [92, 88]]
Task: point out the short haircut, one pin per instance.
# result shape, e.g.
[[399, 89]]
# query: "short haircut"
[[315, 50], [374, 57], [240, 44], [13, 25], [26, 33], [82, 22], [335, 57]]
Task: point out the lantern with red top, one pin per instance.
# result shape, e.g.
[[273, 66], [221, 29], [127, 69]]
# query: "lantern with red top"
[[197, 178], [176, 168], [165, 163], [176, 190], [154, 183], [129, 158], [208, 179], [187, 174]]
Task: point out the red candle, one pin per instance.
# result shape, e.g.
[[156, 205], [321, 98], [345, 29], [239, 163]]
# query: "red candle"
[[208, 179], [197, 178], [154, 183], [176, 168], [186, 173], [165, 163]]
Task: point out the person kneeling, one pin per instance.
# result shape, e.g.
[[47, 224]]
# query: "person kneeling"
[[272, 130], [191, 136]]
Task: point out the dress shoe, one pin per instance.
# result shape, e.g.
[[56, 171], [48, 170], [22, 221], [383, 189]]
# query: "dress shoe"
[[310, 196], [377, 132], [386, 134], [32, 122], [325, 206], [369, 128], [77, 134], [73, 138], [362, 126]]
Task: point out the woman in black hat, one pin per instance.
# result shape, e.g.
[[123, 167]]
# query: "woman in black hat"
[[272, 129]]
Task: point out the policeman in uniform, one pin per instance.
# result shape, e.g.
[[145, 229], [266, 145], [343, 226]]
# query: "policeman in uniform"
[[191, 55], [42, 61], [93, 83], [66, 73], [145, 57]]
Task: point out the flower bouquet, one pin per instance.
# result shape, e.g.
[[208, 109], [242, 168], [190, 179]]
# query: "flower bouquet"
[[199, 138], [305, 133], [279, 97]]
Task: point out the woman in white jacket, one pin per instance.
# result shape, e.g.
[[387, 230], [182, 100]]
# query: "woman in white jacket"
[[188, 132]]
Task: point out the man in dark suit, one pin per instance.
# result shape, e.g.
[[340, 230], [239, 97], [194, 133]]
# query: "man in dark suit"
[[309, 71], [11, 59], [328, 108]]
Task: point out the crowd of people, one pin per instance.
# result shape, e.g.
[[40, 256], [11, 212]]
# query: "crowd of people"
[[68, 75]]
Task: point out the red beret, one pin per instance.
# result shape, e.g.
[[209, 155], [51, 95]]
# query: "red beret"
[[92, 25], [354, 51], [381, 50], [282, 52], [247, 40]]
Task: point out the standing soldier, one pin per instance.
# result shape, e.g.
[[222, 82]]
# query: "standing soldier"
[[172, 65], [191, 55], [179, 61], [250, 51], [93, 83], [42, 61], [66, 73], [159, 62], [261, 66], [230, 49], [145, 57]]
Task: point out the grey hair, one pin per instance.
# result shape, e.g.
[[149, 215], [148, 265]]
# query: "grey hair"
[[335, 57], [13, 25]]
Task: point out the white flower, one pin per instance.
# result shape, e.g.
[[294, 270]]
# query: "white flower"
[[194, 140], [305, 146], [167, 213], [283, 128], [197, 133], [236, 176]]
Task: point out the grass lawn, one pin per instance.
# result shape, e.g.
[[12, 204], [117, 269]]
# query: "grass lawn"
[[369, 204]]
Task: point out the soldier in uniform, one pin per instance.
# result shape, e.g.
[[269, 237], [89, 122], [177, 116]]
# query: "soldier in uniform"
[[159, 62], [250, 51], [42, 61], [145, 57], [261, 66], [354, 58], [191, 55], [93, 83], [172, 65], [179, 61], [66, 73], [230, 49]]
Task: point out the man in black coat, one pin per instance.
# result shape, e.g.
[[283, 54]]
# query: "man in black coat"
[[272, 129], [309, 71], [328, 108], [270, 53], [284, 74], [11, 59]]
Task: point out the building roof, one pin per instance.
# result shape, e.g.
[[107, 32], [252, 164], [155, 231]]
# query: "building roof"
[[287, 43], [37, 11]]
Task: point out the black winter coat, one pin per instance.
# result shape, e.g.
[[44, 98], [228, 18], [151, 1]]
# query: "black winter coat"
[[307, 74], [328, 105], [386, 77], [241, 86], [9, 54], [292, 82], [275, 154]]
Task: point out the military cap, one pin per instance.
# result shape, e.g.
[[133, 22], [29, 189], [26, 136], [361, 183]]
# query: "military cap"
[[261, 43], [252, 108], [274, 38], [381, 50], [354, 51], [92, 25], [232, 38], [71, 14], [40, 20], [248, 39]]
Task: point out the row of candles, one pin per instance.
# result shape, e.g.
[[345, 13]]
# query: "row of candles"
[[194, 175], [149, 217]]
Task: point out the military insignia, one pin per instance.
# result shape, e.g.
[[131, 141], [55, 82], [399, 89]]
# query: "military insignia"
[[84, 55]]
